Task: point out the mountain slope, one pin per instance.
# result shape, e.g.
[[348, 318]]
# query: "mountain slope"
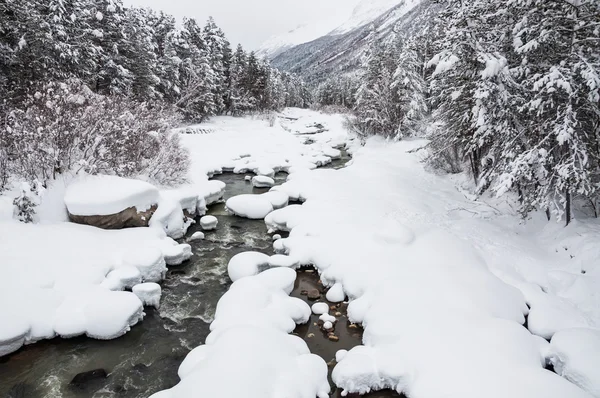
[[341, 53]]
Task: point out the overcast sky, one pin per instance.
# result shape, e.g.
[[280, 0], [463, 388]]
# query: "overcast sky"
[[251, 22]]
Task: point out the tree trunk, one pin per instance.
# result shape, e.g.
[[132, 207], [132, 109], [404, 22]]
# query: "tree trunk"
[[568, 206]]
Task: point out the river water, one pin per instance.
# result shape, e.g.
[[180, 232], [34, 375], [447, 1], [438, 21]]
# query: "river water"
[[146, 359]]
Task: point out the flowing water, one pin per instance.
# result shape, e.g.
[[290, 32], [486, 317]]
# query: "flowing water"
[[146, 359]]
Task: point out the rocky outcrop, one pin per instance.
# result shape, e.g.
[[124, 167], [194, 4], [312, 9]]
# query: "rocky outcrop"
[[128, 218]]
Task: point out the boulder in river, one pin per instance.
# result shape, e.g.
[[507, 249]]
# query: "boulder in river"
[[314, 294], [82, 379]]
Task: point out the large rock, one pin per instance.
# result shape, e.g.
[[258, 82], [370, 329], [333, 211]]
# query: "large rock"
[[128, 218], [111, 202]]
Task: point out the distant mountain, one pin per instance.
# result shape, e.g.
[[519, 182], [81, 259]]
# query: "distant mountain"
[[364, 13], [340, 51]]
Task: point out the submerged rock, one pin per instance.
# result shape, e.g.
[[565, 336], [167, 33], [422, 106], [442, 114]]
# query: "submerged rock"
[[82, 379]]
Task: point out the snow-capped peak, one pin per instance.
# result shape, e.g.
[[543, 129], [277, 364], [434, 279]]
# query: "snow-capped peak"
[[366, 11]]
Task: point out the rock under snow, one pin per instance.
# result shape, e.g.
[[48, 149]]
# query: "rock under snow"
[[575, 355], [111, 202], [196, 236], [336, 293], [149, 293], [209, 223], [262, 182], [149, 261], [254, 207], [278, 199], [320, 308], [246, 264]]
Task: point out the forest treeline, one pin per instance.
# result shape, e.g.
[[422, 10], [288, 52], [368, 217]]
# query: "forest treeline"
[[84, 82], [508, 91]]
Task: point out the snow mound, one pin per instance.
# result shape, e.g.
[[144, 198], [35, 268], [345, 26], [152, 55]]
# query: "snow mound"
[[148, 293], [278, 199], [284, 219], [249, 342], [254, 207], [262, 182], [196, 236], [336, 293], [105, 195], [246, 264], [575, 354], [149, 261], [209, 223], [320, 308], [67, 285]]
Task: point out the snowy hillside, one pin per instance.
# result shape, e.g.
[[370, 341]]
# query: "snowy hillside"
[[334, 25], [366, 12], [341, 50], [300, 35]]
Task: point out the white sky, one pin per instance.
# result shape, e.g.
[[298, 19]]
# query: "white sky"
[[251, 22]]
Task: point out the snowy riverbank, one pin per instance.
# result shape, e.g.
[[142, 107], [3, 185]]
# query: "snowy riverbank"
[[443, 285]]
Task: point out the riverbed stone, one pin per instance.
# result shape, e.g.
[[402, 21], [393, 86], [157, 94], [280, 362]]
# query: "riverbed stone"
[[128, 218], [314, 294], [333, 338], [82, 379]]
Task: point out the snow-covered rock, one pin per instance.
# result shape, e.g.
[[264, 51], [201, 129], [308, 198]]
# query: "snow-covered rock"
[[320, 308], [246, 264], [196, 236], [254, 207], [278, 199], [263, 182], [149, 261], [209, 223], [122, 278], [336, 293], [103, 195], [575, 355], [276, 237], [280, 260], [149, 293]]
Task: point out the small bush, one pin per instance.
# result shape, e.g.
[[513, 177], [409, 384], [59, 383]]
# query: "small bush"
[[66, 127]]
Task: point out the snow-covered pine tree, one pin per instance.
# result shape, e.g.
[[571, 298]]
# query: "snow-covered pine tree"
[[197, 101], [376, 102], [471, 89], [559, 67], [216, 43], [410, 86]]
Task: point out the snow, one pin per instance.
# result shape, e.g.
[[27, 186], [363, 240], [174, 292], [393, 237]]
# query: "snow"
[[58, 279], [320, 308], [575, 355], [368, 10], [276, 237], [249, 343], [328, 325], [7, 209], [340, 355], [209, 223], [246, 264], [254, 207], [196, 236], [327, 318], [336, 293], [435, 276], [277, 199], [105, 195], [149, 293], [261, 181]]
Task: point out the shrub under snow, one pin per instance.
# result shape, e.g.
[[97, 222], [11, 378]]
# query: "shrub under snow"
[[65, 127]]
